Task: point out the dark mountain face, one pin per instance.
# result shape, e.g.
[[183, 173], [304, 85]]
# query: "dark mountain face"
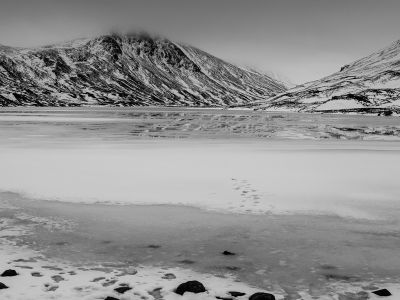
[[126, 71], [368, 85]]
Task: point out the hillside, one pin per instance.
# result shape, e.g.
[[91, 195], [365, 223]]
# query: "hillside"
[[368, 85], [126, 70]]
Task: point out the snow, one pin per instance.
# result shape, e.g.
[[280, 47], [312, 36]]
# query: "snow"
[[311, 100], [340, 104], [389, 84], [375, 71], [224, 177], [87, 282]]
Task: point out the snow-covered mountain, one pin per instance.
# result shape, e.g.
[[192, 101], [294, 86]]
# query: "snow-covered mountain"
[[368, 85], [126, 70]]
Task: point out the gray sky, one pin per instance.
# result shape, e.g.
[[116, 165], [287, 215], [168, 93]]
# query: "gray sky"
[[302, 39]]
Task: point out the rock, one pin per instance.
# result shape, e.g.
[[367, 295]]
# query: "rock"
[[169, 276], [262, 296], [3, 286], [382, 293], [193, 286], [223, 298], [111, 298], [232, 268], [57, 278], [36, 274], [226, 252], [122, 289], [236, 294], [9, 273]]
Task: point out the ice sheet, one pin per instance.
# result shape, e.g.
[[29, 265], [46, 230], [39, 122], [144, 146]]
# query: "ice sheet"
[[246, 178]]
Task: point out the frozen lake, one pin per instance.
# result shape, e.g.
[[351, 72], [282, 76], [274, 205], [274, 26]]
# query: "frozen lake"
[[305, 199], [232, 161]]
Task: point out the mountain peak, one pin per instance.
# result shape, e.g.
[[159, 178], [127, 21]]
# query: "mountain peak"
[[126, 70]]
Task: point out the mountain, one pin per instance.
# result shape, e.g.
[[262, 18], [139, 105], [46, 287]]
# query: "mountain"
[[368, 85], [126, 70]]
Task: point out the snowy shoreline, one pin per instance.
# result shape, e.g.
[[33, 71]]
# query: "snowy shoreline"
[[44, 277]]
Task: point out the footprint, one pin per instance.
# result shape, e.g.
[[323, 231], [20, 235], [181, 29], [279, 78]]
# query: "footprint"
[[249, 195]]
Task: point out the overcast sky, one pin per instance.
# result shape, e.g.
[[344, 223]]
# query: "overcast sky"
[[302, 39]]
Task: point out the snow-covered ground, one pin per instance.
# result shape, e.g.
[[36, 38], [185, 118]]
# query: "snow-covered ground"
[[226, 176]]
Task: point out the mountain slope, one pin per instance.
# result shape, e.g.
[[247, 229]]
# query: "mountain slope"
[[127, 70], [368, 85]]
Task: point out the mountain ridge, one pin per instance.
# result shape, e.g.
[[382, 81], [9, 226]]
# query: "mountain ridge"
[[126, 70], [367, 85]]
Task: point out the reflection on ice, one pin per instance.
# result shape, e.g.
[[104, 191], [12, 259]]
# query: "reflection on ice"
[[115, 124]]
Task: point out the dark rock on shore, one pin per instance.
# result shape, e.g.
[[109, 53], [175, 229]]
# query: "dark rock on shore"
[[9, 273], [193, 286], [57, 278], [111, 298], [3, 286], [122, 289], [382, 293], [262, 296], [236, 294], [226, 252], [169, 276], [232, 268]]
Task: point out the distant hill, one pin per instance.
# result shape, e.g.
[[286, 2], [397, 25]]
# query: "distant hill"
[[368, 85]]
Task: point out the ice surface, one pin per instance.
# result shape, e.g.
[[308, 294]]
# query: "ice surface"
[[228, 161]]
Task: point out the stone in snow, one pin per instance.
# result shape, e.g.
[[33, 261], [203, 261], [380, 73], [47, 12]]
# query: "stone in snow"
[[169, 276], [9, 273], [3, 286], [236, 294], [223, 298], [193, 286], [226, 252], [122, 289], [262, 296], [382, 293], [111, 298]]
